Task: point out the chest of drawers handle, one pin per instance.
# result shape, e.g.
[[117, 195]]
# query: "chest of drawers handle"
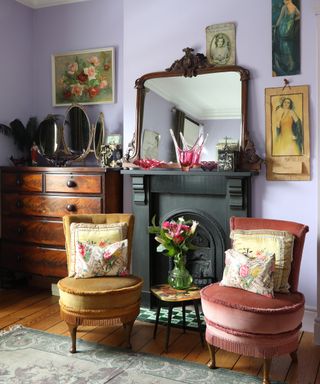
[[71, 208], [71, 184], [20, 230], [19, 204], [19, 181]]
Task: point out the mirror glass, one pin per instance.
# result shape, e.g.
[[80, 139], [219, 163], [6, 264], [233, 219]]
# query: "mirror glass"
[[77, 131], [99, 135], [50, 135], [209, 103]]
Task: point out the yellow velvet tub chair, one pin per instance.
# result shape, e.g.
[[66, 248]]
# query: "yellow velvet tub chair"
[[103, 301]]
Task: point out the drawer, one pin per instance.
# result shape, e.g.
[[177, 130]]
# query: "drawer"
[[51, 206], [91, 184], [24, 182], [34, 260], [33, 231]]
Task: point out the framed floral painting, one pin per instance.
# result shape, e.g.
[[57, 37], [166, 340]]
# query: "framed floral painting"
[[85, 77]]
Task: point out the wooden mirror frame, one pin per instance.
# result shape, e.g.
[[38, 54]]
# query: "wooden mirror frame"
[[188, 66], [101, 136]]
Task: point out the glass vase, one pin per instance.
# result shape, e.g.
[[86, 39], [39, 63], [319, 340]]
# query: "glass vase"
[[179, 276]]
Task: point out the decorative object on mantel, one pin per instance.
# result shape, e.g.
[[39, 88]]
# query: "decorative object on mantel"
[[287, 132], [190, 76], [24, 138], [148, 163], [85, 77], [227, 155], [221, 44], [175, 240], [208, 165], [189, 155]]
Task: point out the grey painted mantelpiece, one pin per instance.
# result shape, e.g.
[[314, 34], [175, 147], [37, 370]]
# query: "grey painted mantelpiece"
[[208, 197]]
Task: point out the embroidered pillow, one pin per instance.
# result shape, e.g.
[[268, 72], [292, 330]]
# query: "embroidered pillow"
[[93, 260], [93, 233], [268, 241], [253, 273]]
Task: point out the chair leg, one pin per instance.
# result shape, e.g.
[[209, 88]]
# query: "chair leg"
[[73, 334], [128, 329], [294, 356], [212, 354], [266, 371]]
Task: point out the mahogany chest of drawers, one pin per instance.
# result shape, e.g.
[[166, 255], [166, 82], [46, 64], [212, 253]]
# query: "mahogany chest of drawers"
[[33, 202]]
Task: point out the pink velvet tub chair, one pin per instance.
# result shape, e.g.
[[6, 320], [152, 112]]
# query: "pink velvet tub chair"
[[252, 324]]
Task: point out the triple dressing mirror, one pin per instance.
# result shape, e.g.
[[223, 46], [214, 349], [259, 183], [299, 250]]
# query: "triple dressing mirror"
[[62, 139], [193, 97]]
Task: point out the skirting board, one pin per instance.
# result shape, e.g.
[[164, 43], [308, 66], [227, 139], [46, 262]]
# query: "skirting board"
[[309, 317]]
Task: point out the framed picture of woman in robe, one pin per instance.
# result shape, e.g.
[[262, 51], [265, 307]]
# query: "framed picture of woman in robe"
[[287, 133], [285, 37]]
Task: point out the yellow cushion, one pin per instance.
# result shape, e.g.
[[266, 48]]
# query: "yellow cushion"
[[100, 294], [279, 243], [93, 233]]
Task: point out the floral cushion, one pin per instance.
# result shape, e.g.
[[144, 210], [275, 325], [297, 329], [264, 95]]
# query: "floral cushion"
[[253, 273], [93, 233], [268, 241], [93, 260]]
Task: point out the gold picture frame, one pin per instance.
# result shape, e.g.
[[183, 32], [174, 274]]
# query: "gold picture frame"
[[84, 77], [287, 133]]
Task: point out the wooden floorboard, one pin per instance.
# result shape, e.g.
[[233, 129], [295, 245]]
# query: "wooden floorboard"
[[39, 310]]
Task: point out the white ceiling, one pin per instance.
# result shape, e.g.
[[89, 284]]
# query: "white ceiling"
[[47, 3], [211, 96]]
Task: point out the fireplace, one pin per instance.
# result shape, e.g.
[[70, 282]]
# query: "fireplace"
[[210, 198]]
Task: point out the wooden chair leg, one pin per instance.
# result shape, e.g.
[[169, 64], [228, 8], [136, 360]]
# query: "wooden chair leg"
[[128, 329], [266, 371], [73, 334], [212, 354], [294, 356]]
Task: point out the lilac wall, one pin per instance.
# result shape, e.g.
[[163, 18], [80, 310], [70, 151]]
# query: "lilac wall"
[[15, 75], [85, 25], [155, 32]]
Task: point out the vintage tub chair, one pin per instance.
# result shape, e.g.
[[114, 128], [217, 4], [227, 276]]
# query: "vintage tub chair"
[[252, 324], [107, 300]]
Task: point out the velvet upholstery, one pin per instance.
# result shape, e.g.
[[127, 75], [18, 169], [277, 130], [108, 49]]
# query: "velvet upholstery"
[[106, 300], [251, 324]]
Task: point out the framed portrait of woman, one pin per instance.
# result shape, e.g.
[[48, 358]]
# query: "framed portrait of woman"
[[287, 133]]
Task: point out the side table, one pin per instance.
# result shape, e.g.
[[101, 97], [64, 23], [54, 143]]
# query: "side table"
[[170, 297]]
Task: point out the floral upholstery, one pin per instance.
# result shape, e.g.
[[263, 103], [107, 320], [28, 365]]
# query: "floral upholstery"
[[279, 243], [103, 259], [254, 273], [94, 234]]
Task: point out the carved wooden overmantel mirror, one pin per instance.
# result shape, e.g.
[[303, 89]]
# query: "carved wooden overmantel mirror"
[[193, 97]]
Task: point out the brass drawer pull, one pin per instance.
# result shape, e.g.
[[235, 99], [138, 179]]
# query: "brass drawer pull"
[[18, 181], [19, 204], [20, 230], [71, 184], [71, 208]]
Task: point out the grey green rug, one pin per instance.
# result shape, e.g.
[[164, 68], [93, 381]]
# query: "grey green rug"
[[149, 315], [29, 356]]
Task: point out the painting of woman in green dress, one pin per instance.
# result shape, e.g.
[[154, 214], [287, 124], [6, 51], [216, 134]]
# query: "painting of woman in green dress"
[[285, 37], [287, 132]]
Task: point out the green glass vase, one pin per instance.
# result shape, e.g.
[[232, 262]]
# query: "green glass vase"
[[179, 276]]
